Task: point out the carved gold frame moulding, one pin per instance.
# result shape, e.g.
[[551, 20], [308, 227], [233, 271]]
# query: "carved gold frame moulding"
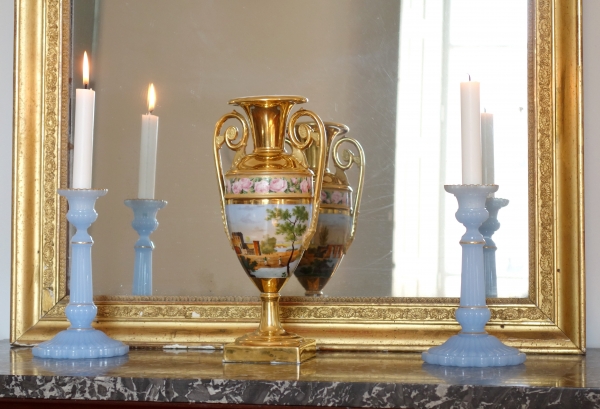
[[551, 320]]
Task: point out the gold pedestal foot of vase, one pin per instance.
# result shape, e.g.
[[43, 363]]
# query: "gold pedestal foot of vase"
[[272, 354], [270, 343]]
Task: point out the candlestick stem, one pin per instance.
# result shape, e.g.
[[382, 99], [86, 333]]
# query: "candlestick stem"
[[80, 340], [144, 222], [472, 346]]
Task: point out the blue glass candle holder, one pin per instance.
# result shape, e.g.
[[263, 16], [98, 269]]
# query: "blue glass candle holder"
[[144, 222], [472, 346], [488, 228], [80, 340]]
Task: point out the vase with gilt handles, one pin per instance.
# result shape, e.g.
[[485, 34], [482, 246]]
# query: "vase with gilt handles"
[[270, 212]]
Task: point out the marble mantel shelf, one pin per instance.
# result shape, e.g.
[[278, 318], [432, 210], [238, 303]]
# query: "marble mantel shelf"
[[332, 379]]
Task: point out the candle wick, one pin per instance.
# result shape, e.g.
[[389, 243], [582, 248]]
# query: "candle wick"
[[85, 86], [469, 77], [484, 110]]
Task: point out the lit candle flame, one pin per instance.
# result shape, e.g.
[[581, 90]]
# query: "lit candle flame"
[[86, 70], [151, 98]]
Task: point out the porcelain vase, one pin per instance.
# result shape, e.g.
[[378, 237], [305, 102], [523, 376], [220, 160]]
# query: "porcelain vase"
[[270, 213]]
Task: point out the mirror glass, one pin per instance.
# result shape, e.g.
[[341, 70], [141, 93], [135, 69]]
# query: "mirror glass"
[[389, 70]]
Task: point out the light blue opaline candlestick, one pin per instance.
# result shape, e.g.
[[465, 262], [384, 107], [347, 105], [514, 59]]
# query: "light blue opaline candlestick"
[[80, 340], [144, 222], [488, 228], [472, 346]]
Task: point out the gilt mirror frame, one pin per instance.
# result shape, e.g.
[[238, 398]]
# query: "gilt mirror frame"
[[550, 320]]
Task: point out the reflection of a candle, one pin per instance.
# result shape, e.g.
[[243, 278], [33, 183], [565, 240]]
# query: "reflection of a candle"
[[147, 175], [84, 132], [487, 145]]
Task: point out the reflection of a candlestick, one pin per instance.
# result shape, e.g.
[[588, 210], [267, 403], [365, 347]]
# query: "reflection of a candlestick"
[[475, 376], [487, 229], [144, 222], [80, 367]]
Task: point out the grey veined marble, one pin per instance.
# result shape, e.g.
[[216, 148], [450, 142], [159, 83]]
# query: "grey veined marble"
[[332, 379]]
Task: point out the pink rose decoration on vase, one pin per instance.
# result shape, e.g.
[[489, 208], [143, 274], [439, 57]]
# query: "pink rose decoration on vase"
[[294, 180], [336, 197], [261, 187], [323, 197], [236, 188], [246, 184], [305, 186], [278, 185]]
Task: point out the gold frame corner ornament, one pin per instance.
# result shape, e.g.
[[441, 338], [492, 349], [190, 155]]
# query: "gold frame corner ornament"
[[550, 320]]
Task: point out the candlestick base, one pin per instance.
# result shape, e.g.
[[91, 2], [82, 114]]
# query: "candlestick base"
[[472, 346], [76, 343], [479, 350], [81, 340], [284, 354]]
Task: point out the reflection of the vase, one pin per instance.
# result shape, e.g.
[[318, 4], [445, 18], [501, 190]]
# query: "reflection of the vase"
[[338, 214], [251, 371], [80, 367]]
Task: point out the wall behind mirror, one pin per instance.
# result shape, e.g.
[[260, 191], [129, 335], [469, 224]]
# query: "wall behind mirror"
[[388, 69]]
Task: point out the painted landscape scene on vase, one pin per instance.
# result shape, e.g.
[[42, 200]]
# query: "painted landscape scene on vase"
[[268, 238]]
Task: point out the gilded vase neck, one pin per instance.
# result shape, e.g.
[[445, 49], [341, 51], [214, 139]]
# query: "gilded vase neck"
[[268, 120]]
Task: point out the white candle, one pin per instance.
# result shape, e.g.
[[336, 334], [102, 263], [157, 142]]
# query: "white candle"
[[470, 132], [148, 149], [487, 143], [84, 132]]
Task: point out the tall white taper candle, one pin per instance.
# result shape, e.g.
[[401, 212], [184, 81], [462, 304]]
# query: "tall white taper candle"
[[84, 132], [148, 148], [470, 133]]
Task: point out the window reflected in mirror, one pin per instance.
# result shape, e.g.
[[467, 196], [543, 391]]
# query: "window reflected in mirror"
[[442, 44]]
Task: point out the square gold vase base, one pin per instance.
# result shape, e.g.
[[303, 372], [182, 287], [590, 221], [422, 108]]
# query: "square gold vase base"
[[271, 354]]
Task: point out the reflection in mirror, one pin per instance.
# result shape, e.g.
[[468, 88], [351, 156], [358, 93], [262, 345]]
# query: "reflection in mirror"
[[389, 70]]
